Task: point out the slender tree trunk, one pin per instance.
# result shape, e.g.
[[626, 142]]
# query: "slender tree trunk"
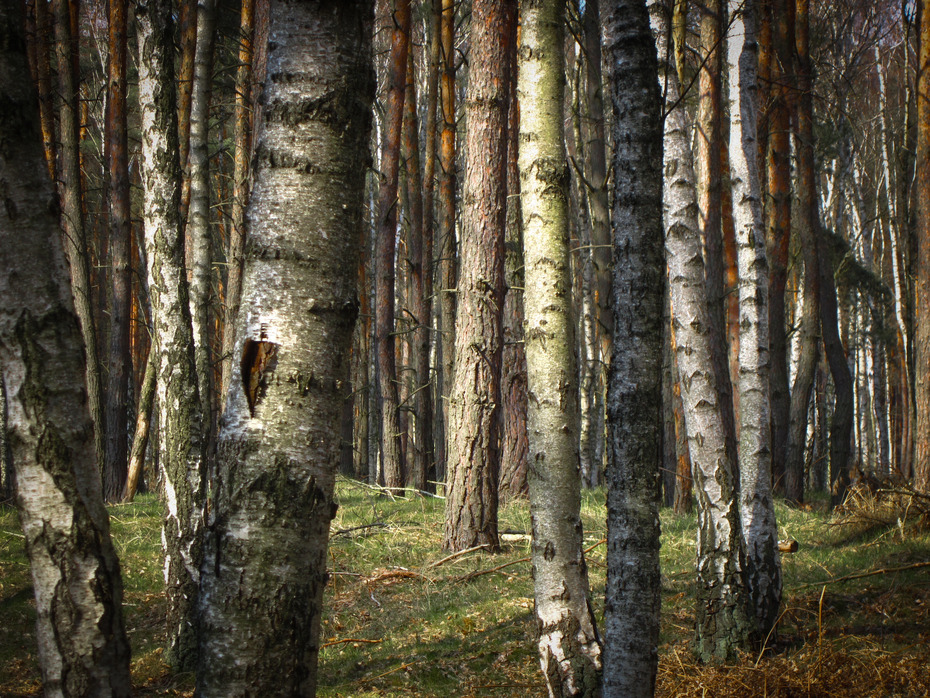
[[181, 442], [448, 249], [631, 612], [279, 445], [119, 217], [807, 225], [187, 32], [44, 34], [568, 643], [198, 244], [420, 254], [779, 224], [474, 424], [391, 452], [70, 192], [140, 439], [760, 535], [723, 623], [922, 267], [83, 650], [514, 462], [242, 136]]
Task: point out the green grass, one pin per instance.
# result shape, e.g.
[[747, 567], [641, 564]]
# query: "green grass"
[[400, 620]]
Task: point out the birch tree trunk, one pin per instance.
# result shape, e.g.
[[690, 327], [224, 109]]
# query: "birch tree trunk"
[[634, 405], [70, 192], [474, 425], [198, 245], [181, 443], [83, 649], [278, 447], [568, 643], [723, 623], [760, 535]]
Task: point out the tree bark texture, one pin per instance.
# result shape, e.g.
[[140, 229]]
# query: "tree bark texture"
[[809, 327], [278, 447], [83, 650], [513, 362], [922, 267], [120, 229], [760, 535], [634, 403], [567, 639], [242, 137], [473, 428], [181, 442], [779, 223], [722, 623], [197, 232], [70, 192], [385, 281]]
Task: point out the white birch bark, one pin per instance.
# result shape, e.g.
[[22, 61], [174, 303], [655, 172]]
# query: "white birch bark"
[[760, 536], [181, 445], [723, 623], [634, 397], [568, 643], [82, 645], [279, 441]]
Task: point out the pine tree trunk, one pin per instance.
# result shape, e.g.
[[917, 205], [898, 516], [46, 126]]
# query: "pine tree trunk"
[[181, 443], [83, 650], [198, 246], [723, 624], [385, 281], [760, 535], [119, 218], [43, 72], [922, 267], [474, 425], [567, 639], [242, 137], [278, 446]]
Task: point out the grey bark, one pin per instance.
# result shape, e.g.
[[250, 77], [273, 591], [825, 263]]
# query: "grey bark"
[[634, 402], [83, 649], [760, 535], [197, 231], [568, 643], [722, 624], [181, 442], [278, 446]]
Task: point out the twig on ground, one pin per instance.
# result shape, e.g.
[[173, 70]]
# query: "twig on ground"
[[453, 556], [343, 531], [861, 575], [347, 640]]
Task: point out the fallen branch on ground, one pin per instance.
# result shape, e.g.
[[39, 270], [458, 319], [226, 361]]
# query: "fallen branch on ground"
[[861, 575], [347, 640]]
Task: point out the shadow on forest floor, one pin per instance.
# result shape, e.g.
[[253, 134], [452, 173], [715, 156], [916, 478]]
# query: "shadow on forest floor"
[[403, 619]]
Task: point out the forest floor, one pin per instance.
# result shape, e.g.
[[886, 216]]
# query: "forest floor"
[[405, 619]]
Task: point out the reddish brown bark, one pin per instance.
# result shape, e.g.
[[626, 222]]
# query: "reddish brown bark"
[[120, 239], [473, 436], [392, 454], [779, 225], [922, 269], [187, 30], [43, 79]]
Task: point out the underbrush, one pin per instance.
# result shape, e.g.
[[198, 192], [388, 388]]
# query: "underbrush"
[[404, 618]]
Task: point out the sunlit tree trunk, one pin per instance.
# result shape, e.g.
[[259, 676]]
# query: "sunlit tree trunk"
[[81, 640], [197, 244], [181, 444], [634, 407], [43, 73], [278, 445], [760, 535], [119, 218], [187, 34], [242, 137], [922, 268], [474, 421], [723, 624], [385, 341]]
